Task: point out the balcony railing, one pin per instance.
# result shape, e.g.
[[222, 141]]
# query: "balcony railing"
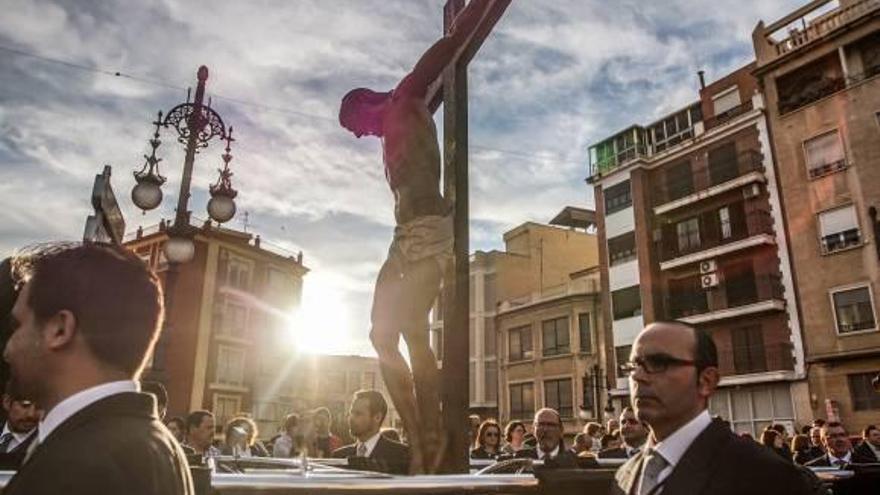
[[737, 292], [724, 117], [817, 28], [755, 222], [621, 158], [710, 175], [841, 240], [811, 91], [760, 358]]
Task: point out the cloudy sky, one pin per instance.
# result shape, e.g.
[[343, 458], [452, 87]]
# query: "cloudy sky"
[[554, 77]]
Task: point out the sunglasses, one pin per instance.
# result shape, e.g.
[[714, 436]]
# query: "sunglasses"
[[655, 363], [492, 434]]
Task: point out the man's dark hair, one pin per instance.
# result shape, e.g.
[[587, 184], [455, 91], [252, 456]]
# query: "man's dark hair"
[[818, 422], [375, 400], [832, 424], [195, 418], [705, 352], [158, 391], [115, 298], [291, 421], [868, 429], [779, 428]]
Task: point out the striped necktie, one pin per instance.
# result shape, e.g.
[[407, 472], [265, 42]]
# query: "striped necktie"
[[5, 440]]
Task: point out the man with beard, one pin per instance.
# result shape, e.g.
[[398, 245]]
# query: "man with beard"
[[85, 319], [673, 370], [634, 434], [372, 451], [20, 430]]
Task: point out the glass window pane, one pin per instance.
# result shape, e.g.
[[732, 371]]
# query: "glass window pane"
[[763, 403], [489, 336], [742, 407], [782, 402]]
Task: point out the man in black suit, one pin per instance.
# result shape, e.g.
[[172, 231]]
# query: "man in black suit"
[[816, 449], [634, 434], [550, 448], [838, 448], [372, 451], [869, 450], [673, 370], [84, 322], [19, 431]]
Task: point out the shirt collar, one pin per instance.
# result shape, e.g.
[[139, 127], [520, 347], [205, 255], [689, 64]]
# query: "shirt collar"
[[371, 443], [545, 455], [673, 447], [79, 401], [845, 458], [19, 437]]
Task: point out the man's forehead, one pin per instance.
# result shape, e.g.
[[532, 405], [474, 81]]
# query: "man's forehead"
[[664, 337]]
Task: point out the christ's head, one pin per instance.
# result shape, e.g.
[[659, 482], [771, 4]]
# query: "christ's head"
[[362, 111]]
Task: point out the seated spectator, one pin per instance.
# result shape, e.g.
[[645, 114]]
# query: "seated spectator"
[[800, 445], [869, 450], [582, 443], [785, 440], [241, 439], [200, 434], [771, 439], [594, 431], [612, 425], [838, 448], [551, 449], [514, 437], [177, 427], [391, 434], [287, 444], [372, 451], [324, 442], [488, 442], [633, 434], [610, 441]]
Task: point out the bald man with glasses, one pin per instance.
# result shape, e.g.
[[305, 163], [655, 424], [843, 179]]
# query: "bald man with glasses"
[[673, 370]]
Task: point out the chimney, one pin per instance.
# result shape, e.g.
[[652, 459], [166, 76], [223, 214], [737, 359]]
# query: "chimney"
[[702, 75]]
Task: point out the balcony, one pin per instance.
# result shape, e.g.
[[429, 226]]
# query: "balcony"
[[714, 236], [758, 358], [738, 296], [801, 31], [727, 116], [810, 90], [710, 180]]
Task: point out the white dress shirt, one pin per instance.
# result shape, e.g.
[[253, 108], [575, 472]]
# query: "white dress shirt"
[[17, 438], [673, 447], [370, 444], [548, 455], [835, 461], [79, 401]]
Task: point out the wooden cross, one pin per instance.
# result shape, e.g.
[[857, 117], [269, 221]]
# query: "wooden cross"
[[451, 90]]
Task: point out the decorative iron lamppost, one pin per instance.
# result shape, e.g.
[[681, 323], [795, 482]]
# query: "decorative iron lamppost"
[[196, 124]]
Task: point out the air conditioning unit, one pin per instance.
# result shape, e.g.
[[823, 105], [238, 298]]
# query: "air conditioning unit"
[[707, 266], [752, 191], [709, 280]]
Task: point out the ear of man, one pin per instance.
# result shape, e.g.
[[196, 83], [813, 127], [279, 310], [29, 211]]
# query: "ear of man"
[[60, 330], [707, 381]]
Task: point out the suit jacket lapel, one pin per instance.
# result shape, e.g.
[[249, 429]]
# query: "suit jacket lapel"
[[695, 467]]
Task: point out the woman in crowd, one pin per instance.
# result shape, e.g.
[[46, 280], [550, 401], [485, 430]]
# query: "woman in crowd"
[[488, 442], [290, 441], [800, 448], [241, 438], [771, 439], [594, 431], [514, 437]]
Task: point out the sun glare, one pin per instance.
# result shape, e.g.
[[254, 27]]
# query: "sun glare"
[[322, 324]]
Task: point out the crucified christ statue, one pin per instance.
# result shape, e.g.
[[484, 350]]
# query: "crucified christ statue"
[[409, 280]]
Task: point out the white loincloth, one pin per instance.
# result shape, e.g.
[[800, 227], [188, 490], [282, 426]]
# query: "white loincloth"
[[430, 236]]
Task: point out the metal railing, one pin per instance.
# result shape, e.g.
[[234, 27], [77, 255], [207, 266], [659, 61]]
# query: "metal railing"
[[749, 359], [697, 300], [716, 120], [707, 176], [756, 222], [810, 92], [823, 25]]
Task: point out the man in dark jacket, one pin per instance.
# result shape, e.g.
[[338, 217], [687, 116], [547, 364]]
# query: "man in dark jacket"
[[673, 370], [550, 447], [19, 431], [372, 451], [869, 450], [84, 322], [838, 448]]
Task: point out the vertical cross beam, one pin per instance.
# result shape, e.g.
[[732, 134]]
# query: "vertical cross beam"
[[455, 391]]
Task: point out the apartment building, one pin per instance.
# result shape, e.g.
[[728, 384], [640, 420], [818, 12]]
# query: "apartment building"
[[690, 229], [819, 68]]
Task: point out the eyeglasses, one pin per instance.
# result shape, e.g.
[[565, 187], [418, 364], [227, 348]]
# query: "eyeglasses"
[[654, 363], [492, 434]]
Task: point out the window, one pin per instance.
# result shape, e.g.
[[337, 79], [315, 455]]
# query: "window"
[[230, 365], [750, 409], [555, 336], [621, 354], [679, 181], [687, 297], [278, 282], [472, 381], [861, 392], [491, 381], [617, 197], [748, 350], [520, 343], [723, 163], [839, 229], [622, 248], [739, 282], [490, 284], [853, 310], [233, 321], [726, 100], [489, 336], [724, 223], [557, 395], [235, 271], [370, 380], [587, 390], [688, 233], [585, 327], [472, 337], [522, 401], [626, 302], [226, 407], [824, 154]]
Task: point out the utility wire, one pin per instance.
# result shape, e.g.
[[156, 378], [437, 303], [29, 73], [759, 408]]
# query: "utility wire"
[[237, 101]]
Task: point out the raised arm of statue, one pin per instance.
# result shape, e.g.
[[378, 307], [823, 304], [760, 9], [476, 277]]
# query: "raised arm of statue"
[[443, 52]]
